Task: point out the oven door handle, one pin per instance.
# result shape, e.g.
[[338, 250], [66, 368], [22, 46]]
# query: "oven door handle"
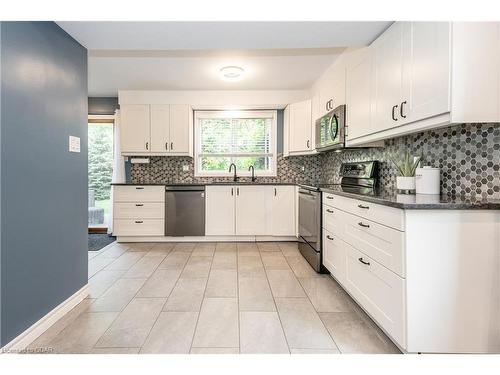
[[306, 193]]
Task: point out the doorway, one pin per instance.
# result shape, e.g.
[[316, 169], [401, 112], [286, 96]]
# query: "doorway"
[[100, 172]]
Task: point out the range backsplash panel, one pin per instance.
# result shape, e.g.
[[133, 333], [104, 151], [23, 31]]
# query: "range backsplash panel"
[[468, 156]]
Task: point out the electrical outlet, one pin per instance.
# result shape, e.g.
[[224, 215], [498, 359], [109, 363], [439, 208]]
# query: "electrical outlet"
[[302, 168], [74, 144], [185, 168]]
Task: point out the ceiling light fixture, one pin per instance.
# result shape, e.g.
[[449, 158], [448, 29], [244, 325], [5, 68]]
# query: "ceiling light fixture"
[[232, 73]]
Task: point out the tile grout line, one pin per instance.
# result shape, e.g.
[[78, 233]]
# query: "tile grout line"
[[202, 300], [314, 307], [274, 301]]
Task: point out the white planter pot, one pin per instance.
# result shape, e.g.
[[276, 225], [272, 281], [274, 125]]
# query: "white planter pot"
[[405, 183]]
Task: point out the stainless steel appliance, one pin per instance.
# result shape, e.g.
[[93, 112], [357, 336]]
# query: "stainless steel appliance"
[[330, 130], [357, 177], [310, 225], [185, 210]]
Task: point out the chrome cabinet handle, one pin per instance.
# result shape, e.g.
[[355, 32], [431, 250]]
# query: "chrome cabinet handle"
[[329, 237], [363, 225], [237, 191], [232, 191], [138, 221], [307, 143], [139, 205], [166, 145], [171, 145], [329, 197], [364, 207], [275, 192], [139, 188], [147, 145], [329, 211], [362, 261], [401, 109]]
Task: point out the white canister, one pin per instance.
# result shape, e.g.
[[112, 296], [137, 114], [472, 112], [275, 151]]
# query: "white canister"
[[427, 180]]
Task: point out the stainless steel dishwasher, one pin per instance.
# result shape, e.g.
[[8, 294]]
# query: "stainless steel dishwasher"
[[185, 210]]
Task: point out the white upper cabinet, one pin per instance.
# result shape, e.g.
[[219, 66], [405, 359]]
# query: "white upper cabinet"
[[300, 128], [157, 129], [160, 128], [425, 75], [358, 94], [282, 211], [180, 132], [135, 129], [426, 70]]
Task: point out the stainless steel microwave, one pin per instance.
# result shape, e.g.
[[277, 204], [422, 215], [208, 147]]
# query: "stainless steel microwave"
[[330, 130]]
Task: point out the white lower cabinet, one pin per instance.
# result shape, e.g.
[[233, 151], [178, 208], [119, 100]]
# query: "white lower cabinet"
[[250, 210], [220, 210], [334, 256], [380, 292], [138, 210]]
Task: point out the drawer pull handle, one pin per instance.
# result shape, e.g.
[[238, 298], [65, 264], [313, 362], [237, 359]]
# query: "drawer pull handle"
[[364, 207], [138, 221], [329, 197], [139, 188], [329, 211], [329, 237], [363, 225], [362, 261], [139, 205]]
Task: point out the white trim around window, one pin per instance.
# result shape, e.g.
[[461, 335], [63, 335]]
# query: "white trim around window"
[[233, 115]]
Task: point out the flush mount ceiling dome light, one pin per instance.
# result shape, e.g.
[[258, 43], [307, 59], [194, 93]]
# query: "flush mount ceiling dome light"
[[232, 73]]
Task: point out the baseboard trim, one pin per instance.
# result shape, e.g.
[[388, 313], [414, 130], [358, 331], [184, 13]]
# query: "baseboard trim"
[[22, 341], [204, 239]]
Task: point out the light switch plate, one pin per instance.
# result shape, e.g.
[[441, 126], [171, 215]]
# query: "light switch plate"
[[185, 168], [74, 144]]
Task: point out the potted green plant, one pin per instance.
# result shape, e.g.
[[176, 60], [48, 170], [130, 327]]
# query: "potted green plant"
[[406, 168]]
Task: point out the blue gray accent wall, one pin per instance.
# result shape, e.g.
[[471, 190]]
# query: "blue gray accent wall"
[[103, 105], [44, 186]]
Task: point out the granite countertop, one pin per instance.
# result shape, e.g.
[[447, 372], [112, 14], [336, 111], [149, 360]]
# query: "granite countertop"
[[416, 202]]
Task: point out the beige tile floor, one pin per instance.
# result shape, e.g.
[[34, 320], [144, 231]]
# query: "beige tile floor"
[[212, 298]]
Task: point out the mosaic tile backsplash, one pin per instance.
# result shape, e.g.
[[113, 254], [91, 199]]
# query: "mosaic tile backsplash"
[[468, 156]]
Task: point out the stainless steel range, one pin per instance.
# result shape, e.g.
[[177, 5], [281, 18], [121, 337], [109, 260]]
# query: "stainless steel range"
[[356, 176]]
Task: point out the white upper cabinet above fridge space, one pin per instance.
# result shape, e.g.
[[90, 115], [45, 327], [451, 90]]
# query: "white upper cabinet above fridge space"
[[157, 129], [298, 129]]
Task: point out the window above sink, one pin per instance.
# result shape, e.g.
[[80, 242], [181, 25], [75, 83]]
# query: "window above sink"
[[241, 137]]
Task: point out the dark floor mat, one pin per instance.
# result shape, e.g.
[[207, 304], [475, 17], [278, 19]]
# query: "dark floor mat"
[[98, 241]]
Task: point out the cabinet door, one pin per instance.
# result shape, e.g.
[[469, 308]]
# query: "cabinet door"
[[426, 71], [160, 128], [300, 127], [135, 129], [334, 255], [387, 78], [282, 211], [180, 132], [219, 210], [359, 96], [252, 210]]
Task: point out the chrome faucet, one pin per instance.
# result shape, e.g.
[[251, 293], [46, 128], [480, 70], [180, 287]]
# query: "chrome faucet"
[[235, 178], [253, 172]]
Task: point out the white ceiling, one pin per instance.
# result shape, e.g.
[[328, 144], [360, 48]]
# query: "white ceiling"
[[188, 55]]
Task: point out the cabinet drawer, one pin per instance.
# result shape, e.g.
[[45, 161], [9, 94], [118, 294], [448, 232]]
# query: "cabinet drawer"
[[384, 244], [379, 291], [139, 210], [139, 194], [390, 216], [330, 217], [334, 256], [139, 227]]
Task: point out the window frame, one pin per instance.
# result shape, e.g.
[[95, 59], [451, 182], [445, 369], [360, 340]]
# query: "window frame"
[[268, 114]]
